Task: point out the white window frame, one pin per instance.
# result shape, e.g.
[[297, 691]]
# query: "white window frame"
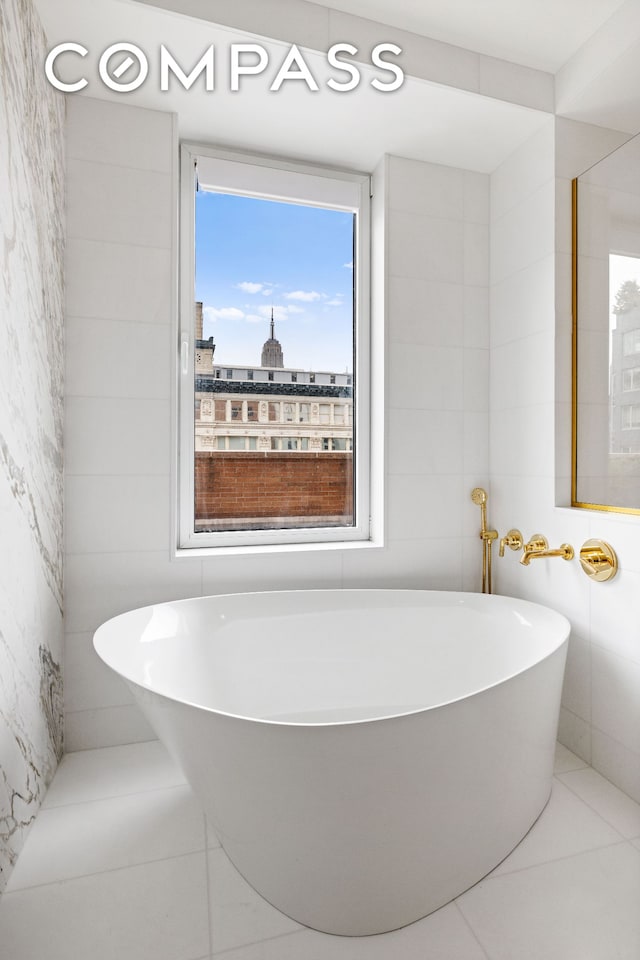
[[260, 176]]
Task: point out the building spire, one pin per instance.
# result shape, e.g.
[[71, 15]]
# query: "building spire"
[[272, 351]]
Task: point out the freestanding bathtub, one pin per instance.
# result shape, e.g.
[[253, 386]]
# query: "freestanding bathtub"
[[364, 755]]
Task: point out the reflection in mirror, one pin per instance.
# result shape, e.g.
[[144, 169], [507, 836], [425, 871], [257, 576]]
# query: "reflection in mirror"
[[606, 334]]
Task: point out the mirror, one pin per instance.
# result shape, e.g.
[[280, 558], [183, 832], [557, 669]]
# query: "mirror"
[[606, 333]]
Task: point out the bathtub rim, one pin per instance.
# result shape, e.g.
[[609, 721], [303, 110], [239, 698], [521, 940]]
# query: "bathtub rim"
[[564, 628]]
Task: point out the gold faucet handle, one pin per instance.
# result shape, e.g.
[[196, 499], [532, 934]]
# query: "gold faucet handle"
[[514, 540], [598, 560]]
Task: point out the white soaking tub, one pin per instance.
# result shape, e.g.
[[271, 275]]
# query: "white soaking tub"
[[364, 755]]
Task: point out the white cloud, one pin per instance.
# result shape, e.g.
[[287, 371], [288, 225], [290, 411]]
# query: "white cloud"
[[248, 287], [349, 265], [305, 295], [222, 313], [267, 292], [254, 318], [334, 303], [292, 308]]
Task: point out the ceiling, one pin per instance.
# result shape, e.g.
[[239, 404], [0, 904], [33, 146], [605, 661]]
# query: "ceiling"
[[537, 33], [422, 121]]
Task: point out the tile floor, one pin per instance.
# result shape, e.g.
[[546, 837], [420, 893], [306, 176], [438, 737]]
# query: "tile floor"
[[120, 864]]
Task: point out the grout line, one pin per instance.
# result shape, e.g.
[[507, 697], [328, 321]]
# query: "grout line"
[[207, 860], [470, 928], [230, 952], [99, 873], [595, 810], [489, 878], [114, 796]]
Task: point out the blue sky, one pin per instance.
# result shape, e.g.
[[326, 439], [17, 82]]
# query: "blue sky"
[[252, 255]]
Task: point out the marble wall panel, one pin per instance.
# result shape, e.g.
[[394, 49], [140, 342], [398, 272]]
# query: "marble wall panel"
[[31, 385]]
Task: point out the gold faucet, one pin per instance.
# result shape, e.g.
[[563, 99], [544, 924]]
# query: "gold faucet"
[[539, 547]]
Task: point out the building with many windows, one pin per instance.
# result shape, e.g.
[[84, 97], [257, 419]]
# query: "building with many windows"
[[270, 441]]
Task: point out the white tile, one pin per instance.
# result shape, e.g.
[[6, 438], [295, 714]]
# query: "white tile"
[[476, 317], [440, 499], [475, 394], [617, 763], [84, 838], [427, 443], [425, 378], [615, 608], [106, 727], [142, 293], [126, 581], [426, 248], [524, 235], [524, 171], [616, 697], [425, 188], [119, 204], [567, 826], [154, 910], [523, 435], [285, 571], [516, 83], [476, 197], [111, 358], [575, 733], [476, 445], [444, 935], [524, 371], [582, 906], [88, 682], [532, 288], [112, 772], [580, 145], [117, 514], [419, 564], [476, 254], [608, 801], [576, 690], [120, 134], [238, 914], [425, 311], [565, 760], [117, 436]]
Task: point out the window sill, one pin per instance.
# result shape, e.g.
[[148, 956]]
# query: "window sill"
[[181, 553]]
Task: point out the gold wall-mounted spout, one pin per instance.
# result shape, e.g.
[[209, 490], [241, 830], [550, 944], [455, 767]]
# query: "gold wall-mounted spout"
[[539, 547], [514, 540]]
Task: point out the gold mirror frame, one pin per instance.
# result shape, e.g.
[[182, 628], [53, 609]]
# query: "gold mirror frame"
[[575, 502]]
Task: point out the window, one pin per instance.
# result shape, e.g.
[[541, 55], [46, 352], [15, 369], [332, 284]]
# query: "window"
[[631, 379], [631, 342], [317, 249], [631, 416]]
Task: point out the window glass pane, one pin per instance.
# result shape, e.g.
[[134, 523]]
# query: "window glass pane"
[[286, 352]]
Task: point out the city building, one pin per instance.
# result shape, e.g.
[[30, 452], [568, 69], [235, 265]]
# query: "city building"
[[269, 411]]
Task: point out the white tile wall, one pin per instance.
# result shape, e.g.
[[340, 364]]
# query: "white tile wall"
[[529, 430], [118, 416]]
